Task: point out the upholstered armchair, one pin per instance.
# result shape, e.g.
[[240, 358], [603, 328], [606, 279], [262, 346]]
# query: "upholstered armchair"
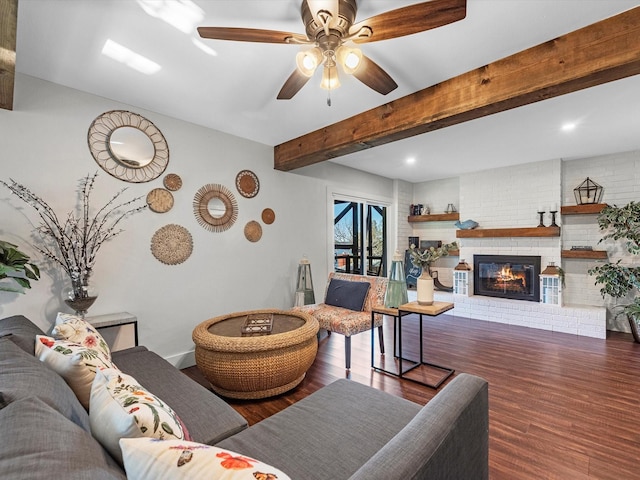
[[338, 313]]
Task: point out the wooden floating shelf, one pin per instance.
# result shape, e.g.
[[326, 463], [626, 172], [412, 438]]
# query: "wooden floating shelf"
[[586, 209], [436, 217], [587, 254], [509, 232]]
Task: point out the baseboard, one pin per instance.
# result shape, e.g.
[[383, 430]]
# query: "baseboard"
[[182, 360]]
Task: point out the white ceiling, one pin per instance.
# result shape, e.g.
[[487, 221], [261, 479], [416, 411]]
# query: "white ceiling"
[[235, 90]]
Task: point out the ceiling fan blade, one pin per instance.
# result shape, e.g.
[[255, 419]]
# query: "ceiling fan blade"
[[251, 35], [373, 76], [293, 85], [411, 19]]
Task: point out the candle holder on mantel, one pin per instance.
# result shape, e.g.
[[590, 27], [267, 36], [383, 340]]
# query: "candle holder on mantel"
[[541, 224], [553, 218]]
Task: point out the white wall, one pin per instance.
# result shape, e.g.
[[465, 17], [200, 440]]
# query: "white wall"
[[619, 175], [44, 146]]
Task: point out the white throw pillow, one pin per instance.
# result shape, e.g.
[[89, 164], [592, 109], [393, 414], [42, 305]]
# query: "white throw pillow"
[[121, 408], [75, 363], [148, 459], [75, 329]]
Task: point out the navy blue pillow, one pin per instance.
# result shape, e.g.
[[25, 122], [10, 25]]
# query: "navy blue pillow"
[[346, 294]]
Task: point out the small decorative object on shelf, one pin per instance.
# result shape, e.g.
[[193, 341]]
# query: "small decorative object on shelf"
[[582, 247], [553, 218], [461, 278], [551, 280], [466, 225], [541, 213], [588, 192], [304, 284], [416, 209], [450, 208], [396, 294]]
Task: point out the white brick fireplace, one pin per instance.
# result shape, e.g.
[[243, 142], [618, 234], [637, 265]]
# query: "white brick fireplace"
[[510, 197]]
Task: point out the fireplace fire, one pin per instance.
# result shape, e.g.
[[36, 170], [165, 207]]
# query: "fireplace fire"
[[507, 276]]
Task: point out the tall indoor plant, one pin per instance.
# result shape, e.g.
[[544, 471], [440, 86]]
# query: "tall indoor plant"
[[622, 280], [16, 266], [423, 259], [74, 241]]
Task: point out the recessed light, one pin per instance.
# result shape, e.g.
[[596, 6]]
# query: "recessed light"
[[569, 126], [411, 160]]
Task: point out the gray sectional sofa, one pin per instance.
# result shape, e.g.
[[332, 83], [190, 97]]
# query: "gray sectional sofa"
[[345, 430]]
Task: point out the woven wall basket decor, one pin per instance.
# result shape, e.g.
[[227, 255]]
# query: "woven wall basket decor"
[[247, 184], [172, 244], [253, 231], [212, 219]]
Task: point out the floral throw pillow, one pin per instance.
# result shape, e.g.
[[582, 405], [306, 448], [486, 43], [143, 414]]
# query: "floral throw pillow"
[[121, 408], [148, 459], [75, 363], [75, 329]]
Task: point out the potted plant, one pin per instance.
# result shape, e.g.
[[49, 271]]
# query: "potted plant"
[[15, 266], [424, 259], [620, 280]]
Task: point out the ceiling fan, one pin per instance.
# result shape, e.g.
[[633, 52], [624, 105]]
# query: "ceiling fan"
[[332, 37]]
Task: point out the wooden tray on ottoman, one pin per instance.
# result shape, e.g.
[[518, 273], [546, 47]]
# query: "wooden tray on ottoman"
[[257, 324]]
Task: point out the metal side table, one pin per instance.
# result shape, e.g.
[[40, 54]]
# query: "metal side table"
[[397, 313]]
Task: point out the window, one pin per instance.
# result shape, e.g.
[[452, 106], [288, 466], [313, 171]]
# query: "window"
[[360, 232]]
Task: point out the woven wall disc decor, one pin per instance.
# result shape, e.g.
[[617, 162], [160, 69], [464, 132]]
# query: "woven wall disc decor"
[[268, 216], [172, 244], [160, 200], [172, 182], [247, 184], [214, 219], [253, 231]]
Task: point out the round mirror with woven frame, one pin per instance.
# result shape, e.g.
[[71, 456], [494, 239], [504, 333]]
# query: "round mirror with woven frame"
[[128, 146], [215, 220]]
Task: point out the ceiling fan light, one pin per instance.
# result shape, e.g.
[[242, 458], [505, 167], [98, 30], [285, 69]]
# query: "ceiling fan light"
[[307, 61], [330, 80], [349, 58]]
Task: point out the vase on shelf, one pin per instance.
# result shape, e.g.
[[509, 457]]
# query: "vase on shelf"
[[80, 295], [424, 287]]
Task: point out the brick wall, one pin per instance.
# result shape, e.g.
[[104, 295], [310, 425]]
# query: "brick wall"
[[510, 197]]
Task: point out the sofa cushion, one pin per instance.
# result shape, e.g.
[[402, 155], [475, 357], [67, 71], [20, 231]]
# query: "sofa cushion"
[[309, 440], [122, 408], [23, 375], [39, 443], [208, 418], [345, 294], [75, 329], [146, 459], [73, 362], [22, 332]]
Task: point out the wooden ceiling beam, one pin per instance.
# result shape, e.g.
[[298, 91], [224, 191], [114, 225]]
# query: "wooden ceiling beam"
[[603, 52], [8, 27]]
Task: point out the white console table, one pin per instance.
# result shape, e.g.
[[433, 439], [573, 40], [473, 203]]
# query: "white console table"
[[120, 330]]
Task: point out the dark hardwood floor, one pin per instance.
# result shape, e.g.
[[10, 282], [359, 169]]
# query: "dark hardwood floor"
[[561, 406]]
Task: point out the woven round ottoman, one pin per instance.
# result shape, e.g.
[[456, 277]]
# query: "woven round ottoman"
[[249, 365]]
